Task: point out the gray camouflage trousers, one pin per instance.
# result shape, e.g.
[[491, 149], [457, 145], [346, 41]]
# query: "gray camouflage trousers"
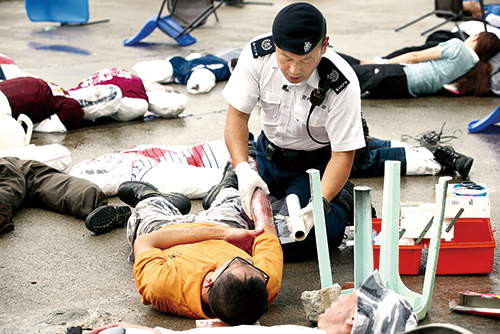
[[153, 213]]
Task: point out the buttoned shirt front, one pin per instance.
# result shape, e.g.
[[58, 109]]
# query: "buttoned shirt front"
[[285, 106]]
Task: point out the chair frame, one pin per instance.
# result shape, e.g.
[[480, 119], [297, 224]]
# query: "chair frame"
[[389, 249], [190, 26], [451, 17]]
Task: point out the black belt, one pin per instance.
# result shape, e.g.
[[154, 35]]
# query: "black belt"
[[294, 160]]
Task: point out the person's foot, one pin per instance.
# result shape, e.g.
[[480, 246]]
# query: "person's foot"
[[106, 218], [132, 192], [6, 220], [229, 179], [447, 157]]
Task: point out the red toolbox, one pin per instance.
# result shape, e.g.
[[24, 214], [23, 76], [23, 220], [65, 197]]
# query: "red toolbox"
[[409, 255], [470, 251]]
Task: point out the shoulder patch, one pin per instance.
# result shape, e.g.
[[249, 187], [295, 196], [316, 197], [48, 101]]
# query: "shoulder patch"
[[328, 70], [263, 46]]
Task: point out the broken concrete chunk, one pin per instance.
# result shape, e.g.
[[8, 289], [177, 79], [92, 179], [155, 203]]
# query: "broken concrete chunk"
[[316, 302]]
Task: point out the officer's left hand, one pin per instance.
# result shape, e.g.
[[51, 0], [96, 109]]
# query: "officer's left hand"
[[248, 180]]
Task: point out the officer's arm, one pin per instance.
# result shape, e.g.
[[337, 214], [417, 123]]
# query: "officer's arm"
[[236, 134], [336, 173]]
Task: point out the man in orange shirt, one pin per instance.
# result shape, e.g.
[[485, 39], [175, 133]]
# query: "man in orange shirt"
[[209, 265]]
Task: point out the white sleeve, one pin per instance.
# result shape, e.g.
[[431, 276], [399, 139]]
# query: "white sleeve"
[[242, 88]]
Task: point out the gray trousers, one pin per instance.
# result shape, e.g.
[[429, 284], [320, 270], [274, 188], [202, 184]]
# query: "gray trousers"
[[37, 184], [153, 213]]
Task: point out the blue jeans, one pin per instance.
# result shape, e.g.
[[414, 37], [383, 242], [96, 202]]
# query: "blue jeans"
[[282, 183], [380, 152]]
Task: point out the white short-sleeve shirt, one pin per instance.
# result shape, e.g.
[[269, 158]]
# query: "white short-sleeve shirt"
[[284, 112]]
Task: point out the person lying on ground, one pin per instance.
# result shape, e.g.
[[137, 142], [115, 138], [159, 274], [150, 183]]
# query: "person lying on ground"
[[200, 266], [431, 160], [370, 309], [40, 99], [425, 72], [33, 183]]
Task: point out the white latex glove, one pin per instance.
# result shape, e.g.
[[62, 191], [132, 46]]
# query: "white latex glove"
[[248, 180], [307, 215]]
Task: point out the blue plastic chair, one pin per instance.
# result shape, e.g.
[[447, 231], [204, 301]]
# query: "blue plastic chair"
[[487, 123], [63, 11], [173, 28]]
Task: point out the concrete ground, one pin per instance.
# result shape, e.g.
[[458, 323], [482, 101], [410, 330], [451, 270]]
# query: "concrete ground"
[[53, 270]]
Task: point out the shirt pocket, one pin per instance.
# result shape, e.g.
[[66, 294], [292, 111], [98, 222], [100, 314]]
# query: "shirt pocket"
[[318, 117], [270, 102]]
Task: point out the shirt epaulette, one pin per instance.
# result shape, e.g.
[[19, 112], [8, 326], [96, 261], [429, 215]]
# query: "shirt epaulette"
[[263, 46], [328, 70]]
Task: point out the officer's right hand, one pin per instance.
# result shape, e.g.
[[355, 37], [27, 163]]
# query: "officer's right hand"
[[248, 180]]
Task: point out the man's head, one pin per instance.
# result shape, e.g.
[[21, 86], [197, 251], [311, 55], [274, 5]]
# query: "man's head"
[[238, 294], [299, 32], [371, 309]]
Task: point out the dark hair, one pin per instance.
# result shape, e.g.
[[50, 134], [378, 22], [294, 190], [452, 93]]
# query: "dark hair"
[[238, 302], [477, 81]]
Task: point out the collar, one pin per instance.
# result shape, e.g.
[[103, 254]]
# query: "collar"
[[473, 54]]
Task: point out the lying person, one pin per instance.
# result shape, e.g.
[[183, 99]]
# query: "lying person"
[[430, 160], [425, 72], [40, 99], [31, 182], [200, 266], [370, 309]]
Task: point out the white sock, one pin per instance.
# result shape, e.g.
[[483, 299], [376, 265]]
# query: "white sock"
[[397, 143], [420, 161]]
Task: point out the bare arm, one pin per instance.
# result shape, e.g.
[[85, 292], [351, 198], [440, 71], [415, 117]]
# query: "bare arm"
[[336, 173], [262, 212], [236, 134], [170, 237], [417, 56]]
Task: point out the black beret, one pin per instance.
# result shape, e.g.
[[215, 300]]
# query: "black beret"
[[298, 28]]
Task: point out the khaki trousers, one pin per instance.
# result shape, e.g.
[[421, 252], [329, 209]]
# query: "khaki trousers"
[[37, 184]]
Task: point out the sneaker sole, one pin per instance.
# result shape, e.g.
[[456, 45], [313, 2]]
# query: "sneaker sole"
[[106, 219]]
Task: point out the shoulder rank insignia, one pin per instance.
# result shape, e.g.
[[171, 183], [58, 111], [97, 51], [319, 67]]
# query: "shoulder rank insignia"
[[263, 46], [328, 71]]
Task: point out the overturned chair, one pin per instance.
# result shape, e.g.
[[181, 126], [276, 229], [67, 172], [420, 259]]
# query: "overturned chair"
[[389, 248], [75, 12], [185, 16]]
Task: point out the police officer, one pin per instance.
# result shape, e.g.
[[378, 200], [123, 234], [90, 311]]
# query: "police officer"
[[310, 115]]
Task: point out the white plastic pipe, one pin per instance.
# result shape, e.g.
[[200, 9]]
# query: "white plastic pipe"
[[300, 226]]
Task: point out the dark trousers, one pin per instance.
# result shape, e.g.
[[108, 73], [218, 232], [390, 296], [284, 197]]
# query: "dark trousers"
[[37, 184], [434, 39], [382, 81], [282, 183]]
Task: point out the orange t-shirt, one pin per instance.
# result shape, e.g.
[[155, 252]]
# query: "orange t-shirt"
[[171, 279]]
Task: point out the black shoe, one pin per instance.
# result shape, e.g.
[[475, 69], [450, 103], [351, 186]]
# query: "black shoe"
[[106, 218], [132, 192], [447, 157], [229, 179], [6, 219]]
